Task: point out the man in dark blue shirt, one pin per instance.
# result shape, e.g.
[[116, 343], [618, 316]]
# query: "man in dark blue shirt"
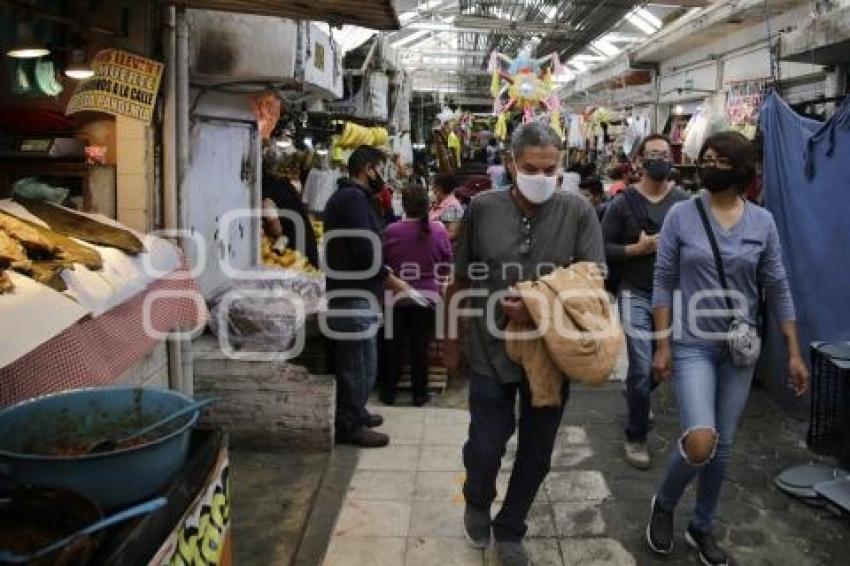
[[356, 277]]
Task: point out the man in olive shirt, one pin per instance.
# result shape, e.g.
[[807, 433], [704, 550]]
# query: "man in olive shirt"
[[507, 237]]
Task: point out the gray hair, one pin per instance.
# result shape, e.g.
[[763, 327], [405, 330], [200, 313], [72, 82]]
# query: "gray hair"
[[533, 134]]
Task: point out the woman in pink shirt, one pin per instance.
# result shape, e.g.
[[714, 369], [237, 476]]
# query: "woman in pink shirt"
[[416, 249], [446, 208]]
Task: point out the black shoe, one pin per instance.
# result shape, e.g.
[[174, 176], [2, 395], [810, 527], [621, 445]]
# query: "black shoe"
[[374, 421], [387, 399], [476, 527], [511, 553], [659, 531], [419, 400], [706, 546], [362, 437]]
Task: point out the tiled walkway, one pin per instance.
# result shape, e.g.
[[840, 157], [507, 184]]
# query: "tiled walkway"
[[405, 506]]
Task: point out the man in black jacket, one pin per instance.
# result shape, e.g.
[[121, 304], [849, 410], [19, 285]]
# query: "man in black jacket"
[[631, 229], [356, 277]]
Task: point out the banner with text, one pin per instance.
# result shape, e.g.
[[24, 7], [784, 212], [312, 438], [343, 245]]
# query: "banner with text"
[[123, 84]]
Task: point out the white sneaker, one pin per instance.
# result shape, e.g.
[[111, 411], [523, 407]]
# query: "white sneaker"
[[637, 455]]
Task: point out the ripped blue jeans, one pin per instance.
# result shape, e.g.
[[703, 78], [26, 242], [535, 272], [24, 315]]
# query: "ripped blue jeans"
[[712, 395]]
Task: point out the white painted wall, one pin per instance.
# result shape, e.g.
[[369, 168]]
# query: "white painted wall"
[[696, 82], [224, 176], [744, 53]]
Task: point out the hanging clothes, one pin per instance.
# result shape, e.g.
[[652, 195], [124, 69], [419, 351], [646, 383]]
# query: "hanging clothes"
[[638, 127], [695, 134], [318, 189], [453, 142], [808, 191], [575, 131]]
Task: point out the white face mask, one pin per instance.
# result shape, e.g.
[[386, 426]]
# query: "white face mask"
[[536, 188]]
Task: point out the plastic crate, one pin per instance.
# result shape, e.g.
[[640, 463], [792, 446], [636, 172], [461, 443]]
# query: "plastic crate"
[[829, 420]]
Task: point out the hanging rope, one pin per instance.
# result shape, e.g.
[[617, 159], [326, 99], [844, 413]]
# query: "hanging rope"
[[772, 49]]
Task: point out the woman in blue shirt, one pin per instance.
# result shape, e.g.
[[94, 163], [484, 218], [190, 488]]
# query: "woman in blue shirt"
[[691, 347]]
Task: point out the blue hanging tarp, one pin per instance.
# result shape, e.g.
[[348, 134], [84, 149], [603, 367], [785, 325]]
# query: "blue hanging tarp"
[[807, 188]]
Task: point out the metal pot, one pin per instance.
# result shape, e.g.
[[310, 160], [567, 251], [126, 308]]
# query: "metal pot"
[[42, 442], [31, 518]]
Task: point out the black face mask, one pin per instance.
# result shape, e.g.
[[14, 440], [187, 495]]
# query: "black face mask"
[[376, 183], [657, 169], [715, 179]]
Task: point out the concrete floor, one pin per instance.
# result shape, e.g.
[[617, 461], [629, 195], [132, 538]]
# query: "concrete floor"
[[401, 505]]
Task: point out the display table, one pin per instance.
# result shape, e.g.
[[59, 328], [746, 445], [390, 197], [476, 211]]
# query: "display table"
[[97, 351], [194, 528]]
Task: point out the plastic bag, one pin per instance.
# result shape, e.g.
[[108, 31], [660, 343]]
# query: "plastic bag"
[[265, 314], [30, 187]]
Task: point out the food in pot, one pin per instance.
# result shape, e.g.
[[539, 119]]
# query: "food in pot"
[[34, 517]]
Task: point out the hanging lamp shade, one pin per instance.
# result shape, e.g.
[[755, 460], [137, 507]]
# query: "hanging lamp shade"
[[26, 46], [78, 66]]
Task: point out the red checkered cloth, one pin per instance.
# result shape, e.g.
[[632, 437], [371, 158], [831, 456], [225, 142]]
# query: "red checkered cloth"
[[97, 351]]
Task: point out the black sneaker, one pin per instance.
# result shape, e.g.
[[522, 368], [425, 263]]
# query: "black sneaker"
[[476, 527], [511, 553], [705, 544], [659, 531]]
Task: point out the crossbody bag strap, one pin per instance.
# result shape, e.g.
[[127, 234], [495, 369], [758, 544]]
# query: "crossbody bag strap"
[[715, 249], [636, 207]]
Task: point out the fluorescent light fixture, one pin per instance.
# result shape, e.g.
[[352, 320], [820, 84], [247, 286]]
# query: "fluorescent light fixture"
[[501, 14], [409, 15], [639, 23], [653, 20], [321, 152], [605, 47], [431, 26], [587, 58], [411, 38], [26, 46], [283, 144]]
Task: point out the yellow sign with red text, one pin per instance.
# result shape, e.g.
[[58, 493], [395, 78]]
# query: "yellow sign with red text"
[[123, 84]]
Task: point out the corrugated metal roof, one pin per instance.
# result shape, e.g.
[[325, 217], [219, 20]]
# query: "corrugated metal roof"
[[374, 14]]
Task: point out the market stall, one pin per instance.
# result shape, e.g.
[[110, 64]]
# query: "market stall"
[[91, 298], [97, 296]]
